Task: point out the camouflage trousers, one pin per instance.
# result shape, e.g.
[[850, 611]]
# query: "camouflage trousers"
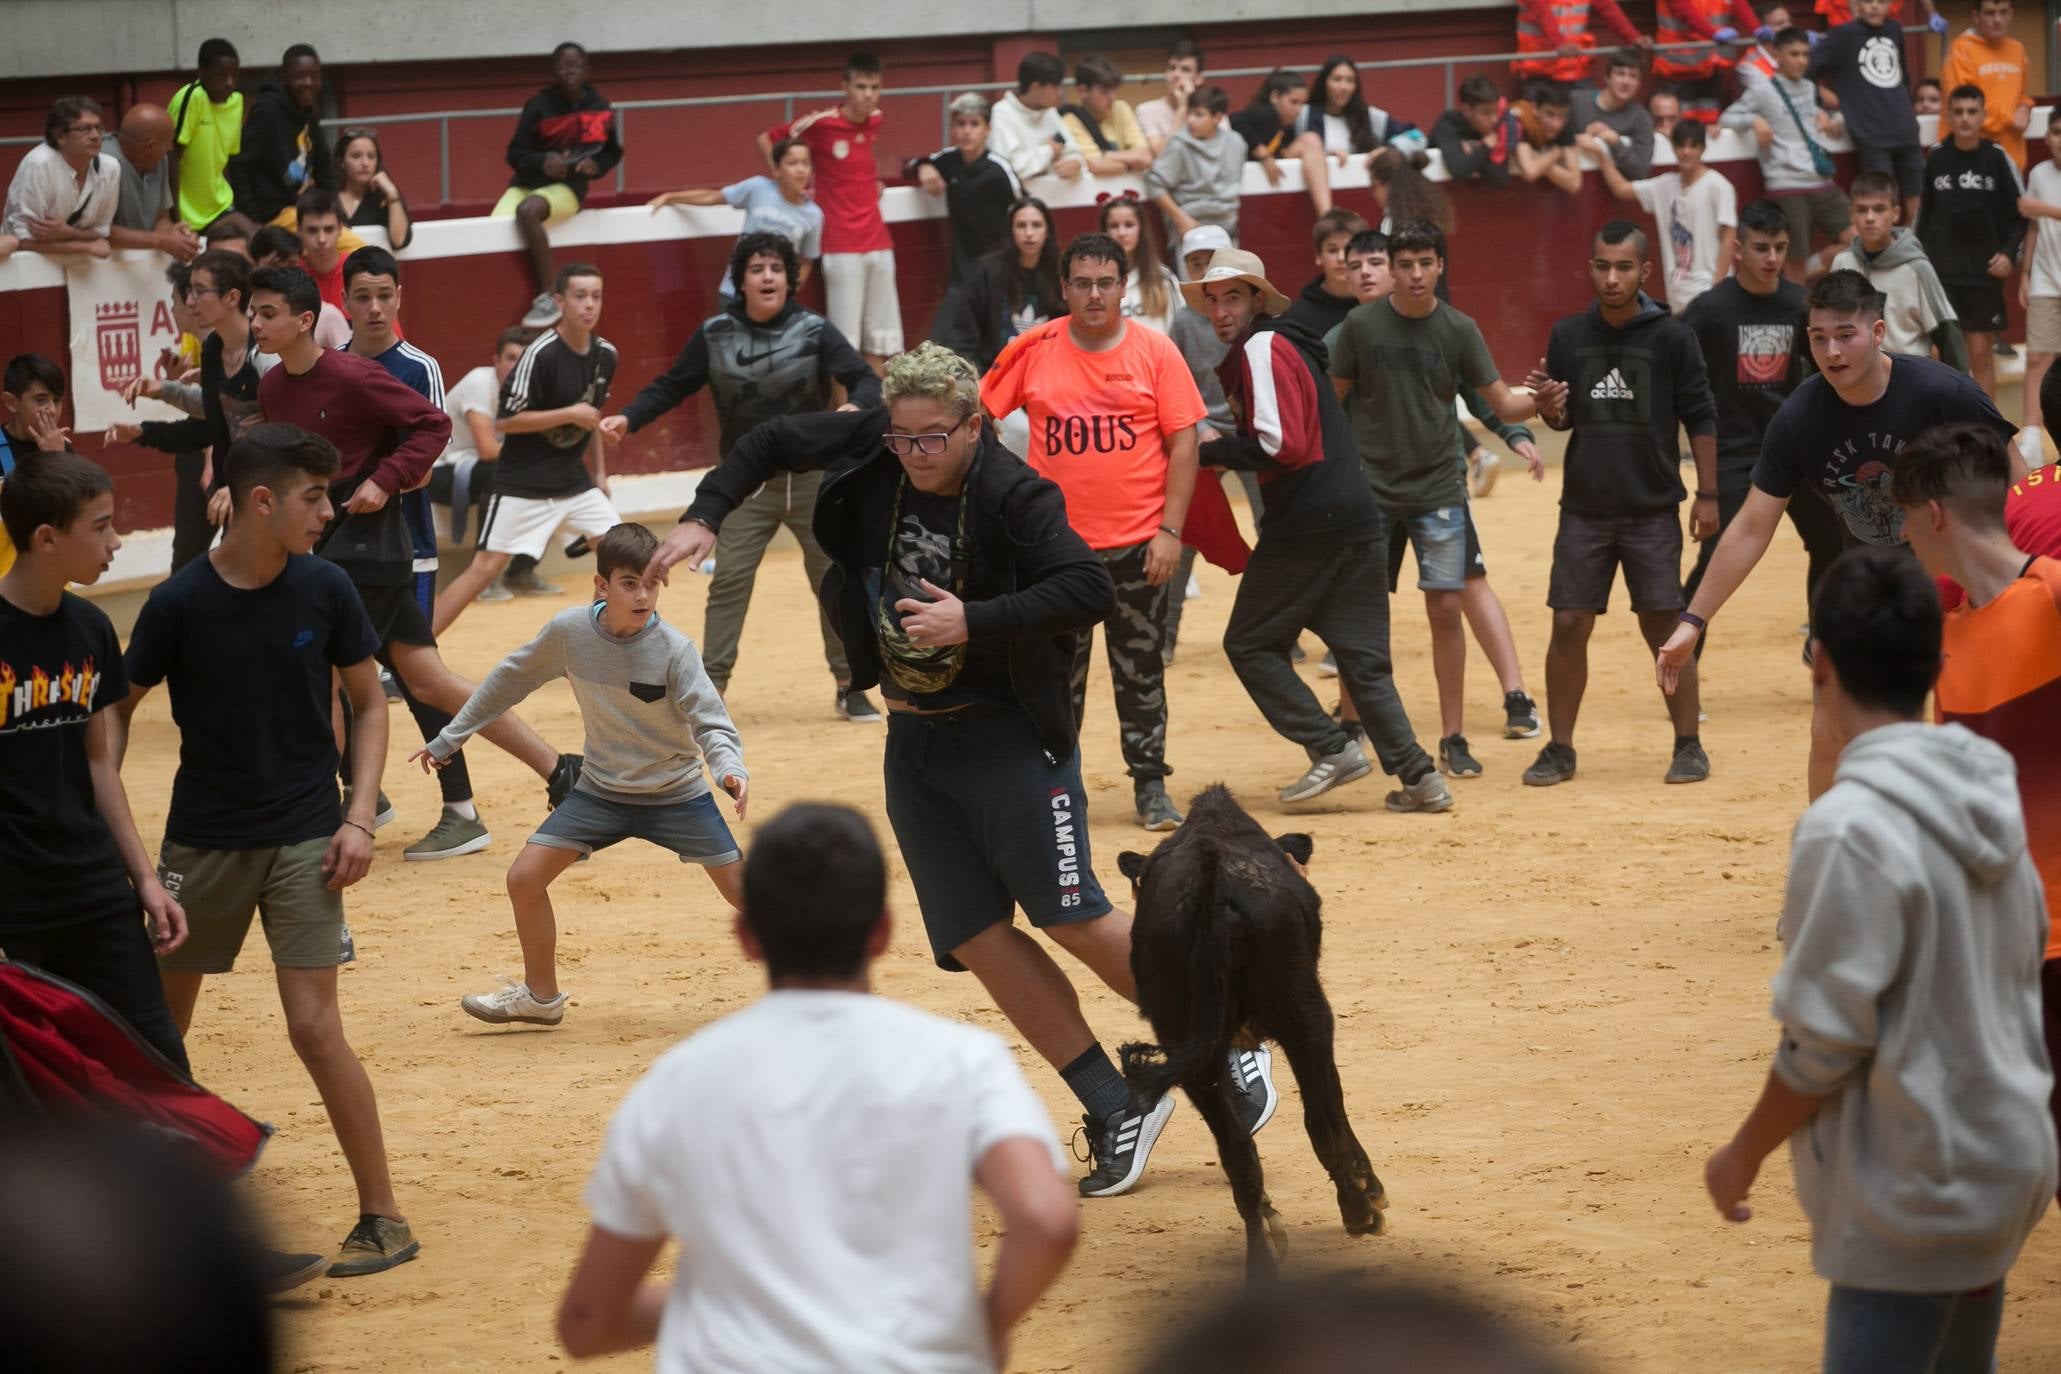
[[1135, 638]]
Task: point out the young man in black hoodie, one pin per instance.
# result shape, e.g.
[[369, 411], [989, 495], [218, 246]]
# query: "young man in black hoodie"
[[1751, 329], [564, 139], [1625, 376], [283, 152], [1328, 297], [1969, 222], [1320, 563], [957, 584], [763, 357]]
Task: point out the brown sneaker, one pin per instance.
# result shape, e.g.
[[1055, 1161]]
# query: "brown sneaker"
[[375, 1244]]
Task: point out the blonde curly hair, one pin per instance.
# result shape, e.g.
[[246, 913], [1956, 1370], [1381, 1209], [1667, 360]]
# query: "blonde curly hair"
[[932, 372]]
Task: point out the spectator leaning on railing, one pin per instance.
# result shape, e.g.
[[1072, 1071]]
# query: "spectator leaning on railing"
[[1613, 116], [1162, 119], [1028, 132], [369, 198], [64, 193], [283, 152], [146, 211], [1102, 125], [207, 130]]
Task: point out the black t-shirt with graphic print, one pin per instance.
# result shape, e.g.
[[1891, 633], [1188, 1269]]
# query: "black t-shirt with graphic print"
[[58, 861], [551, 463], [1849, 451], [929, 545], [1755, 350]]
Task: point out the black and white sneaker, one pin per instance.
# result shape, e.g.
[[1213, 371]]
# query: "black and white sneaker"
[[855, 705], [1520, 716], [1120, 1144], [1252, 1087]]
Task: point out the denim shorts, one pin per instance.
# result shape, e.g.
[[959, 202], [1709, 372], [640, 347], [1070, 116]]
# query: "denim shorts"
[[1440, 539], [694, 828]]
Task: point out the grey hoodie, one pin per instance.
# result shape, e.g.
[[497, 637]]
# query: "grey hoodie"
[[1909, 997], [1203, 178], [1785, 164], [1918, 312]]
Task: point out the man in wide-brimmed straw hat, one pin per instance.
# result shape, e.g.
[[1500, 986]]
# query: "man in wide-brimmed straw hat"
[[1320, 563]]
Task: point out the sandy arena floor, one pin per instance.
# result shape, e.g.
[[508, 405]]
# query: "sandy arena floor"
[[1552, 1005]]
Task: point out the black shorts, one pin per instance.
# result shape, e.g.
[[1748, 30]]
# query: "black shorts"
[[1588, 550], [986, 823], [110, 956], [1476, 567], [1907, 165], [1980, 306], [397, 615]]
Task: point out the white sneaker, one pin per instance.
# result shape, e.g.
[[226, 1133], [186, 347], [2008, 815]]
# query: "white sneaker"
[[1328, 772], [1194, 591], [513, 1001], [1481, 466]]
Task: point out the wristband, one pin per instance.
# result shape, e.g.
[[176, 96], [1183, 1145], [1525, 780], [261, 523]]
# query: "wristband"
[[366, 829], [1169, 529], [1691, 618], [1706, 496]]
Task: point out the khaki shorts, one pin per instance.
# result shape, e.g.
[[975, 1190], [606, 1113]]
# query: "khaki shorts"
[[1821, 210], [222, 889], [2043, 325], [559, 196]]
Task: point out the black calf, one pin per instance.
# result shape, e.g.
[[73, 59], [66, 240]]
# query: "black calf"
[[1224, 948]]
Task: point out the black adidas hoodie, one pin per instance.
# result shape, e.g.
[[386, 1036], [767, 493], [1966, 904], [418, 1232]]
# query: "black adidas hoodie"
[[1628, 391]]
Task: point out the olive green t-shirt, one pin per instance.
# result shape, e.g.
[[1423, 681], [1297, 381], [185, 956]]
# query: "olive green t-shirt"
[[1405, 374], [208, 135]]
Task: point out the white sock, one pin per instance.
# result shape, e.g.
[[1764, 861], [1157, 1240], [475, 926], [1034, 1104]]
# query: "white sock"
[[464, 808]]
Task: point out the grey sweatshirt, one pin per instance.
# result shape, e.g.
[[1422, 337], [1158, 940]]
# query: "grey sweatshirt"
[[1631, 122], [1909, 997], [1785, 164], [1917, 310], [1203, 178], [652, 716]]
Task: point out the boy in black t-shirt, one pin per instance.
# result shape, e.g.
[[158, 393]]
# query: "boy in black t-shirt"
[[1750, 327], [552, 473], [254, 822], [1625, 377], [82, 900]]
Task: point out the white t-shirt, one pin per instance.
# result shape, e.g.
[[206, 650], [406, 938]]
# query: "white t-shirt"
[[767, 211], [45, 186], [1338, 135], [813, 1155], [478, 393], [1134, 303], [2045, 184], [1689, 223]]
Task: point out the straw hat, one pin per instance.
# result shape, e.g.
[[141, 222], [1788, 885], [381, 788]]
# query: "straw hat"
[[1235, 264]]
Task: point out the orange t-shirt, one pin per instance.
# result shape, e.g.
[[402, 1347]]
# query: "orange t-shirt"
[[1999, 69], [1099, 423], [2002, 679]]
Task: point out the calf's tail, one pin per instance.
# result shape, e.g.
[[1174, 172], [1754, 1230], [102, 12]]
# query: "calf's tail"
[[1205, 1045]]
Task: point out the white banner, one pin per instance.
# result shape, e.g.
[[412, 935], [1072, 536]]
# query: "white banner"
[[121, 321]]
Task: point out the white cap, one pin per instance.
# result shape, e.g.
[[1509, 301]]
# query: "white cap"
[[1204, 238]]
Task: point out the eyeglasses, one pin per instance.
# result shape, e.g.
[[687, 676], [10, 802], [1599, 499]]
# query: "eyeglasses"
[[1100, 286], [902, 445], [90, 130], [195, 292]]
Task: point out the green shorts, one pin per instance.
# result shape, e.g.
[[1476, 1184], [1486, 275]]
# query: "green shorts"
[[221, 889]]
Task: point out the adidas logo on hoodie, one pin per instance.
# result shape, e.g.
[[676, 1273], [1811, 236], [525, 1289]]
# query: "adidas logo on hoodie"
[[1613, 387]]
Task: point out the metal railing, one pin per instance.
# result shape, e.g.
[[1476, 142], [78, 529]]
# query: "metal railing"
[[443, 119]]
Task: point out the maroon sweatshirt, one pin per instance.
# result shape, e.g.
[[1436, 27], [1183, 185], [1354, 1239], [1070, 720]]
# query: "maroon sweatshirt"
[[385, 431]]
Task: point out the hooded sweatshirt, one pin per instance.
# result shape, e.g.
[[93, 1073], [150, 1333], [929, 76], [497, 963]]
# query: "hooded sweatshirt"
[[1629, 389], [1468, 155], [283, 151], [1909, 1000], [1968, 211], [1317, 310], [1294, 433], [1791, 161], [1203, 178], [1917, 310]]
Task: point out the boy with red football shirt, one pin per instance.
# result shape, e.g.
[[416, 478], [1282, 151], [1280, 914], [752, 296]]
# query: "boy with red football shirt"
[[858, 255]]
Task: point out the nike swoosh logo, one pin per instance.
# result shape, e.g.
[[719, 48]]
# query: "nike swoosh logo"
[[747, 359]]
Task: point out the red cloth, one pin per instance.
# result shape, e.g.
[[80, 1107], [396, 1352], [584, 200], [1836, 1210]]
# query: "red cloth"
[[1212, 529], [76, 1057], [2032, 517], [847, 179], [382, 427]]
